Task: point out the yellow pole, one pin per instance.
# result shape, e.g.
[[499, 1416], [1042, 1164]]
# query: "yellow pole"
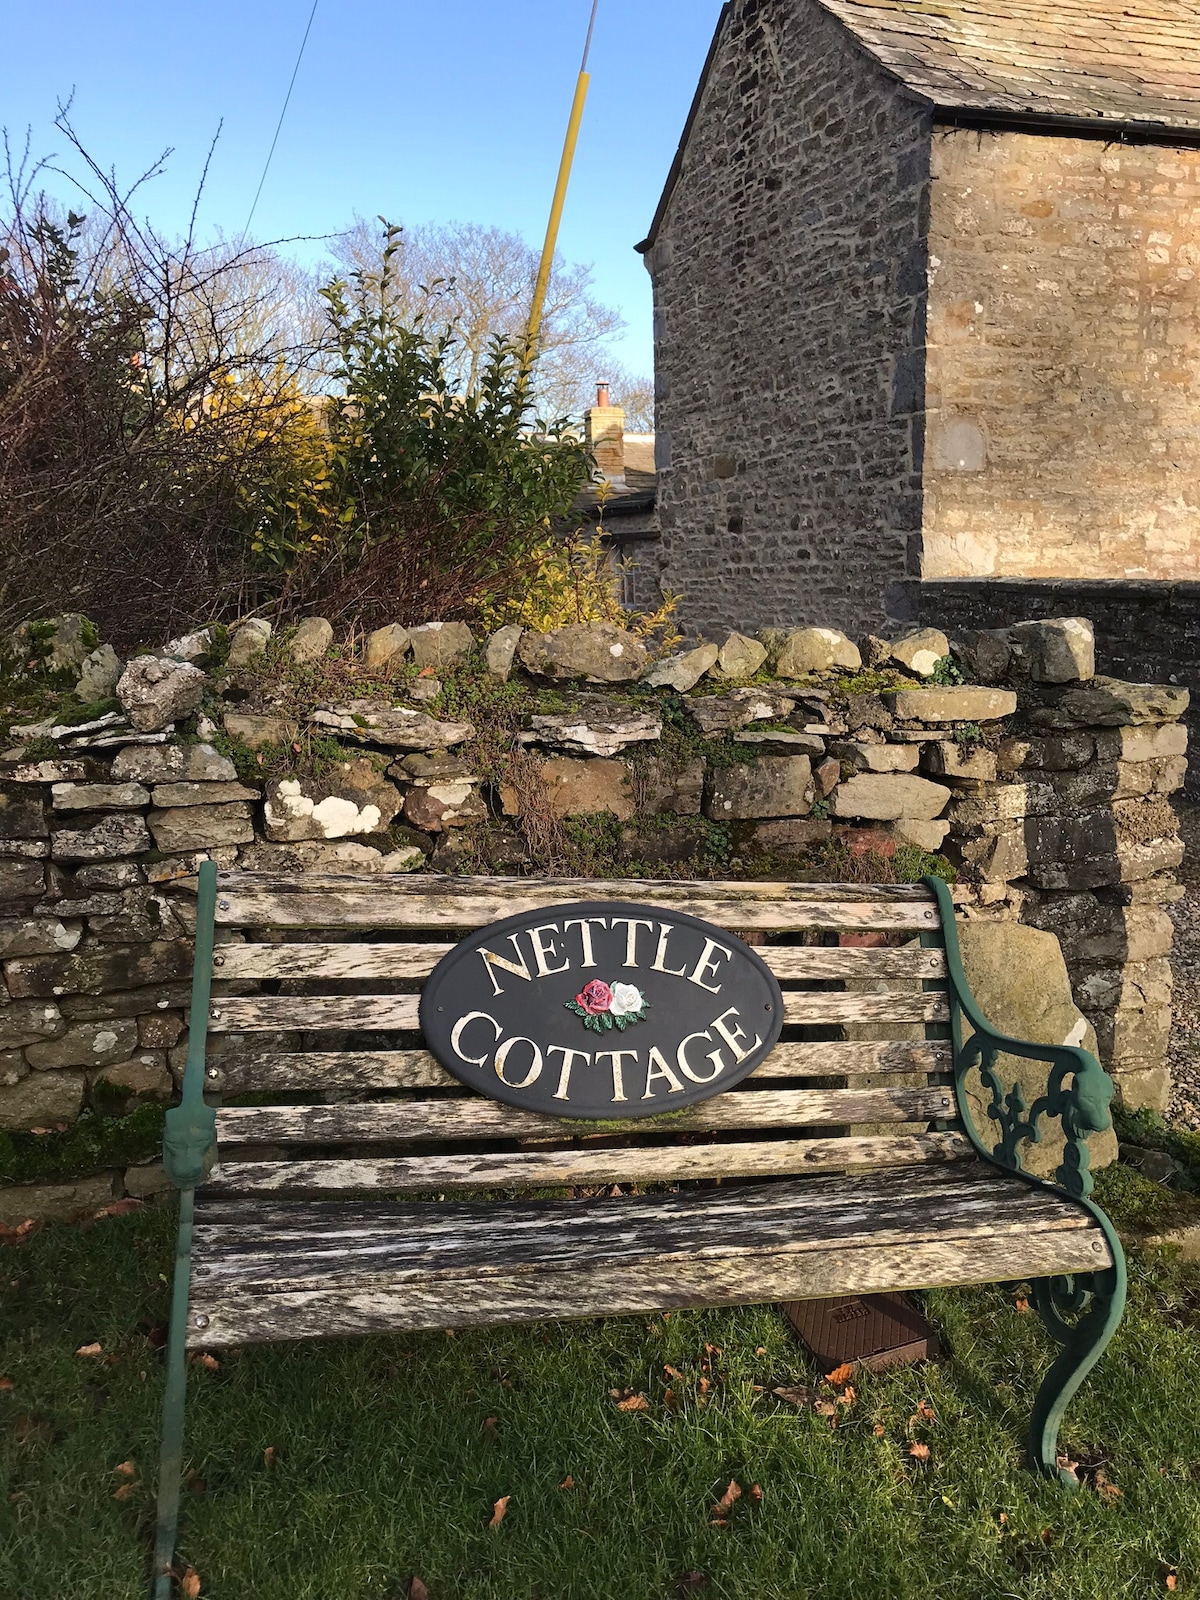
[[560, 195]]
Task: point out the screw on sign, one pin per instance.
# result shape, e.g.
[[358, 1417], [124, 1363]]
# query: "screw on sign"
[[604, 1010]]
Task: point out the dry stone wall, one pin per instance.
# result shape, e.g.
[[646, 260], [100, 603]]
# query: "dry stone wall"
[[999, 756]]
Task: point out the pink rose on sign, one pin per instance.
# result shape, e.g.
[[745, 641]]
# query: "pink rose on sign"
[[595, 997]]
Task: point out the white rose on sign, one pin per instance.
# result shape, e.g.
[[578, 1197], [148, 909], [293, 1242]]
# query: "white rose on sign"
[[625, 1000]]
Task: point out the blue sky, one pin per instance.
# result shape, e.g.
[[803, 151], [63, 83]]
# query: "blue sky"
[[422, 112]]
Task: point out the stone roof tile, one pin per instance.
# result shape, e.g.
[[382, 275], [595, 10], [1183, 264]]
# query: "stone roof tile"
[[1137, 62]]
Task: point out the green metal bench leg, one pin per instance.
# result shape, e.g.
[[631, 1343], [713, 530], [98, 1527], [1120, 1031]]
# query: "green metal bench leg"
[[170, 1467], [1083, 1343]]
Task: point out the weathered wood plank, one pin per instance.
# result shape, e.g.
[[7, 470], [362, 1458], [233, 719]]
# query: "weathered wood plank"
[[431, 885], [398, 1012], [311, 1248], [548, 1168], [806, 1202], [239, 1318], [313, 900], [334, 1071], [365, 961], [477, 1118]]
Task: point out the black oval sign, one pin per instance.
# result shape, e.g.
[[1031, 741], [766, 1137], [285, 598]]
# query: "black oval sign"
[[601, 1010]]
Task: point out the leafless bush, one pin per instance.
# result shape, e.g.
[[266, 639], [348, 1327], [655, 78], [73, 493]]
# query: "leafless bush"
[[148, 407]]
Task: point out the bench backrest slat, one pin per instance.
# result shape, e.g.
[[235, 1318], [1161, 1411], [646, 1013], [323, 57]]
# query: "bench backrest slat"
[[464, 1118], [386, 1012], [312, 961], [315, 901], [534, 1169], [336, 1071]]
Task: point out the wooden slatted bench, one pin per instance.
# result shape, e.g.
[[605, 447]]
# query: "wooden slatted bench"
[[847, 1165]]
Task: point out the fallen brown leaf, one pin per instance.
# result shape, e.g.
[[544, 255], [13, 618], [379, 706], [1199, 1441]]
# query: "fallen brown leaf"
[[269, 1456], [756, 1494], [918, 1451], [417, 1590], [925, 1411], [636, 1402], [761, 1351], [490, 1424], [840, 1374], [189, 1585], [847, 1396], [670, 1399], [121, 1208], [825, 1408], [5, 1384], [126, 1469], [713, 1350], [209, 1363], [798, 1396], [1171, 1580], [568, 1482], [704, 1386], [1021, 1303], [499, 1510], [673, 1372], [1109, 1490], [879, 1430], [732, 1494], [719, 1522], [123, 1491], [89, 1350]]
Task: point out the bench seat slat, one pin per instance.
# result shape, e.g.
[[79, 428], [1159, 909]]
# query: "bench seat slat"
[[476, 1118], [418, 961], [265, 1270], [248, 1072], [366, 1012], [268, 1249], [239, 1220], [314, 900], [548, 1168], [606, 1291]]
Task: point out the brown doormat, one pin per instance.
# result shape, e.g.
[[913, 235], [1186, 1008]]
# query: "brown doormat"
[[876, 1331]]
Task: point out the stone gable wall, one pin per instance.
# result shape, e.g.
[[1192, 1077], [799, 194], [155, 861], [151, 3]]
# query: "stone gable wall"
[[789, 281], [795, 755], [1063, 427]]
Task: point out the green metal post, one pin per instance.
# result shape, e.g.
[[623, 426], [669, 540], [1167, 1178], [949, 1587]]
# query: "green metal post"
[[189, 1143], [170, 1465]]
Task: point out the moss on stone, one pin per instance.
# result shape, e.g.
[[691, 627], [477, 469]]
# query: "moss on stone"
[[89, 1145]]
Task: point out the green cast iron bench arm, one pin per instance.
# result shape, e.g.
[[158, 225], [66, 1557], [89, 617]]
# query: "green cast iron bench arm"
[[1078, 1092]]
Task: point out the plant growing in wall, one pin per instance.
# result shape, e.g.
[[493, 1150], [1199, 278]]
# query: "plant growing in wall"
[[429, 496]]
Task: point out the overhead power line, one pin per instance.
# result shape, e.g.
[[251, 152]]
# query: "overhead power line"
[[283, 113]]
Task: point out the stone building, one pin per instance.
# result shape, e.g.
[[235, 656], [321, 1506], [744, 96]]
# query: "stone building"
[[621, 504], [927, 314]]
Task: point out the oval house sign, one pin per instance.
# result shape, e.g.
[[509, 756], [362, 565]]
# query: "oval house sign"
[[601, 1010]]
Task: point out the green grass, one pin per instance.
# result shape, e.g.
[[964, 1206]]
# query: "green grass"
[[385, 1466]]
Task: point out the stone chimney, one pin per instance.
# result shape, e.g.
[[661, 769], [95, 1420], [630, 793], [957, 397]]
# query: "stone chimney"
[[604, 430]]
